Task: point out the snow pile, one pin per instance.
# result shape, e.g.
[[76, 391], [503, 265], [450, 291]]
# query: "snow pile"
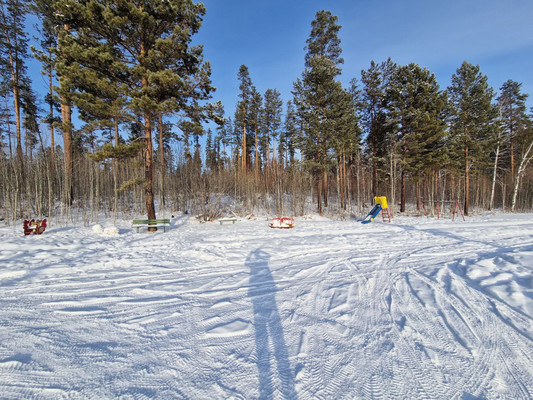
[[107, 231], [419, 308], [111, 231], [98, 229]]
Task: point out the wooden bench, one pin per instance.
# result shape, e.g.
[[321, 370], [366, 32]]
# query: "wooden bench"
[[224, 220], [139, 223]]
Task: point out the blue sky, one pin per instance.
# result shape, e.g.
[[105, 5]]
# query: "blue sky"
[[269, 37]]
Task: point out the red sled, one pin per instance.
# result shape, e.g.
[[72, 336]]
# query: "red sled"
[[34, 227], [282, 223]]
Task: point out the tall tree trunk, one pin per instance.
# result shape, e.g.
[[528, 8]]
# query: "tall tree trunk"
[[256, 156], [494, 175], [511, 141], [467, 182], [342, 178], [273, 152], [325, 187], [161, 161], [435, 196], [148, 170], [403, 177], [115, 175], [338, 179], [16, 99], [359, 177], [374, 170], [319, 192], [392, 173], [402, 190], [417, 189], [66, 124], [325, 169], [149, 152], [66, 119], [52, 139], [9, 133], [243, 161]]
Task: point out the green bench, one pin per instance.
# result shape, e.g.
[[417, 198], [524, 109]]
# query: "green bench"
[[227, 220], [140, 223]]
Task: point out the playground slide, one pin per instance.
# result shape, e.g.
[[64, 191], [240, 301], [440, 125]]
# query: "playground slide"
[[372, 214]]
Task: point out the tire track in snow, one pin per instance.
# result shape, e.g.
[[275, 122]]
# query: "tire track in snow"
[[369, 280], [485, 343], [423, 330], [353, 327], [424, 383]]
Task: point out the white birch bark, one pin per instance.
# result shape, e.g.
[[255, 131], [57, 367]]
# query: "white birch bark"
[[528, 155]]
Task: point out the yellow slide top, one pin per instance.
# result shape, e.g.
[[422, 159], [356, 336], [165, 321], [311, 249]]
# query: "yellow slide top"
[[382, 201]]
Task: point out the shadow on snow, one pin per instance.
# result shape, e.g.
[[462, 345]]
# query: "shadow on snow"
[[269, 338]]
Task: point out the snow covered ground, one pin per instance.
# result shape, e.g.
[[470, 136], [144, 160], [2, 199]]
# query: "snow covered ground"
[[416, 309]]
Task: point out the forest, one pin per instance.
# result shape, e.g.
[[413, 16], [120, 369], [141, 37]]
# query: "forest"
[[129, 100]]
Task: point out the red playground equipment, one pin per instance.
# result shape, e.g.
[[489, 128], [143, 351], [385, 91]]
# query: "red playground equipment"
[[455, 208], [34, 227], [282, 223]]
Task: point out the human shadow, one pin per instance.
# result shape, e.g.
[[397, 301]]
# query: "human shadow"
[[269, 337]]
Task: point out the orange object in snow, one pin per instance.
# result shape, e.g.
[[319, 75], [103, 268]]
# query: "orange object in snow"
[[282, 222]]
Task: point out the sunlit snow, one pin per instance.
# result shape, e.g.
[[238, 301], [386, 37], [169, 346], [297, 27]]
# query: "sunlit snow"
[[418, 308]]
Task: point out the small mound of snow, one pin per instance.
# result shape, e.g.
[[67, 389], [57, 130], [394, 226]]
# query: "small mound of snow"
[[98, 229], [111, 231]]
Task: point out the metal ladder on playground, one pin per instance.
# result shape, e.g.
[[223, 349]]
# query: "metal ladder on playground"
[[382, 201], [386, 211]]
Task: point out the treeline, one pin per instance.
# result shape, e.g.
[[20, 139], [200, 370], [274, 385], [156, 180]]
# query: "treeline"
[[141, 92]]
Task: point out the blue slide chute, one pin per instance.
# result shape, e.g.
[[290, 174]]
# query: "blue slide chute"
[[372, 214]]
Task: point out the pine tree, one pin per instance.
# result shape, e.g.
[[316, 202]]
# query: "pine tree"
[[5, 122], [223, 137], [254, 118], [46, 56], [324, 40], [517, 127], [416, 107], [30, 120], [232, 137], [145, 47], [55, 29], [345, 142], [288, 136], [13, 57], [512, 105], [472, 119], [316, 95], [242, 114], [376, 80], [210, 151], [271, 122]]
